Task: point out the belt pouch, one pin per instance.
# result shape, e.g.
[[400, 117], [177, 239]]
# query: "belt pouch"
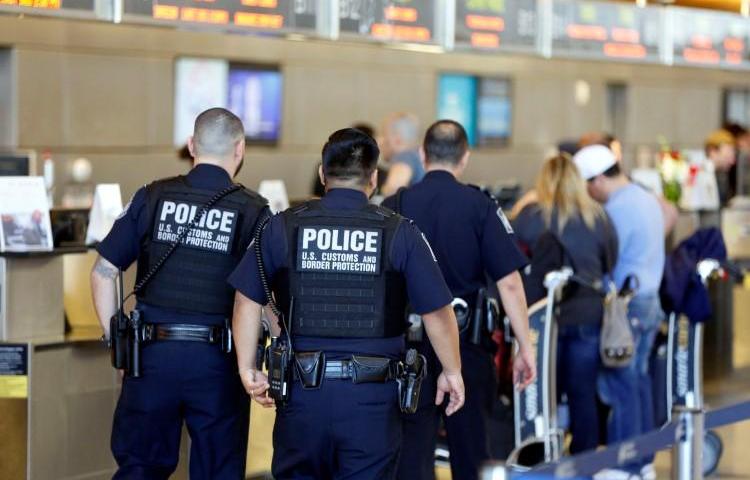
[[369, 369], [310, 368]]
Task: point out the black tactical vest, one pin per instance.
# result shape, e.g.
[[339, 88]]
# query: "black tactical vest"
[[194, 278], [340, 274]]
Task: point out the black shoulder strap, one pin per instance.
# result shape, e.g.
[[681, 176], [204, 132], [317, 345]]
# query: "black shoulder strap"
[[157, 266]]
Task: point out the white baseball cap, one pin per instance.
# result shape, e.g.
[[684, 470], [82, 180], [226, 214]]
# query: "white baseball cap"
[[594, 160]]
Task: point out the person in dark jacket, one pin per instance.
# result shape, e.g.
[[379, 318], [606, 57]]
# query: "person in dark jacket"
[[564, 209]]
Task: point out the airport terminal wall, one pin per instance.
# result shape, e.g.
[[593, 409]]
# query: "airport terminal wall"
[[106, 92]]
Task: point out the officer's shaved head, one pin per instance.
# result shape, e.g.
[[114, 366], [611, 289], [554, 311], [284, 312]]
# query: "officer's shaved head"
[[350, 155], [217, 132], [445, 142]]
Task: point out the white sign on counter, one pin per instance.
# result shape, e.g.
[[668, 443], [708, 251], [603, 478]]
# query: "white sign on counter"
[[106, 208], [275, 192], [24, 211]]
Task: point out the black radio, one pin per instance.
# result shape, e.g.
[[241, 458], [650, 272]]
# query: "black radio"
[[279, 363]]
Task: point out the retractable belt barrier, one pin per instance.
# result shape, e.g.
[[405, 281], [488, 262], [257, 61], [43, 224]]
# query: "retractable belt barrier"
[[679, 431]]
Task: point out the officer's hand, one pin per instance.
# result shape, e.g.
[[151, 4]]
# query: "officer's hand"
[[452, 385], [256, 385], [524, 368]]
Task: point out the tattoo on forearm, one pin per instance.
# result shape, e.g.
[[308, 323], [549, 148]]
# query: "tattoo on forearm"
[[105, 269]]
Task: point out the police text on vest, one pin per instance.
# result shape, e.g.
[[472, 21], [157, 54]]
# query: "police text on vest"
[[214, 230], [339, 250]]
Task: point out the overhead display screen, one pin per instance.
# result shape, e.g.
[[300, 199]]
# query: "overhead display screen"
[[497, 24], [605, 30], [264, 15], [483, 105], [389, 20], [252, 92], [710, 39], [52, 5]]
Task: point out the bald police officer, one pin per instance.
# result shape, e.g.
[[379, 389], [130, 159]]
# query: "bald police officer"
[[342, 271], [186, 375], [472, 240]]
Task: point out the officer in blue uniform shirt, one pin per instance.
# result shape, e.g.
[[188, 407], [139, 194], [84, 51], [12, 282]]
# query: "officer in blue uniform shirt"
[[472, 240], [342, 271], [185, 374]]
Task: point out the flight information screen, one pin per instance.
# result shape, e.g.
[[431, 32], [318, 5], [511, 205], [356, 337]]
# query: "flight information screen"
[[590, 29], [389, 20], [497, 24], [710, 39], [52, 5], [264, 15]]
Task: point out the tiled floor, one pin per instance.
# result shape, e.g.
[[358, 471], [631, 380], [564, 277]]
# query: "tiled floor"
[[735, 461]]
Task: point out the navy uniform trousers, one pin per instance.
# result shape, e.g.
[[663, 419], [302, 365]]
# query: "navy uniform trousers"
[[468, 439], [340, 431], [182, 381]]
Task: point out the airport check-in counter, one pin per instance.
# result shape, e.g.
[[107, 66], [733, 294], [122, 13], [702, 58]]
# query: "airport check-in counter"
[[58, 391]]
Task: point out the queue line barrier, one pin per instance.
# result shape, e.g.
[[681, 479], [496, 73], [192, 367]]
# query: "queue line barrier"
[[684, 434]]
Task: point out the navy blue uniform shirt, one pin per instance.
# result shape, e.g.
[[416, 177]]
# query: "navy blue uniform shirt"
[[122, 245], [410, 255], [467, 230]]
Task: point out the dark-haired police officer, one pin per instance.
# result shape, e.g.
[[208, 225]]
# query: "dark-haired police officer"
[[345, 270], [185, 375], [471, 239]]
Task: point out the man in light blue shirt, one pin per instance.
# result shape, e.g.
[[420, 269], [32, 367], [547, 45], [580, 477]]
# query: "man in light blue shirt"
[[639, 222], [399, 148]]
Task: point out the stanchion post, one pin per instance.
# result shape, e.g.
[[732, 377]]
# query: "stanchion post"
[[495, 471], [687, 452]]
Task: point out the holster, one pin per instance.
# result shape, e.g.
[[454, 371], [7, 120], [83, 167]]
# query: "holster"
[[410, 381], [310, 368]]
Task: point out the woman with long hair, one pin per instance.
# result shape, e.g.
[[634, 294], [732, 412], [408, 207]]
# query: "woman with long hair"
[[563, 208]]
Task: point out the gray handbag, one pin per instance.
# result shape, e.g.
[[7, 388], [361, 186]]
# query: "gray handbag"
[[617, 345]]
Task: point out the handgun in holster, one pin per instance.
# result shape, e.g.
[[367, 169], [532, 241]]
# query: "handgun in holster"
[[410, 381]]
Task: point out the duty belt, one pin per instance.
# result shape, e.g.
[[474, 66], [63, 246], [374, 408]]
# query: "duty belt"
[[344, 370], [312, 367], [183, 332]]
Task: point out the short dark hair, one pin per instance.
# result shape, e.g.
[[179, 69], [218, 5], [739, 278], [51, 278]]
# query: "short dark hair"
[[350, 154], [613, 171], [735, 129], [445, 142]]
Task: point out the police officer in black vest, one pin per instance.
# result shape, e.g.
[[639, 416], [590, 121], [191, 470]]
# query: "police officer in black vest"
[[472, 241], [186, 372], [342, 272]]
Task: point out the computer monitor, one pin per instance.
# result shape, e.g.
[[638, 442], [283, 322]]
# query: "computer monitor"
[[17, 164]]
